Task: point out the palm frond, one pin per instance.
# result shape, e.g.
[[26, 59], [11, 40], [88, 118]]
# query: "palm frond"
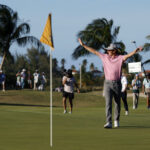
[[115, 32], [146, 62], [148, 37], [6, 7], [22, 29], [136, 58], [146, 47], [29, 39], [121, 48], [8, 21], [80, 51]]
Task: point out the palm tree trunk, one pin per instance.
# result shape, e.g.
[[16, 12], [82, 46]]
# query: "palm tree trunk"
[[2, 60]]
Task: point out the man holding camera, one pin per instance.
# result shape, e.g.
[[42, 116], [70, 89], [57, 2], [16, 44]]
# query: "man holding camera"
[[68, 82]]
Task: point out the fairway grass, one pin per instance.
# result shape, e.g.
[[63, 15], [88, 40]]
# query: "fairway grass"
[[27, 127]]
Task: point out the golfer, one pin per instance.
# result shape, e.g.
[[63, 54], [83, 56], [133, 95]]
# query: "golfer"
[[68, 82], [146, 89], [112, 64]]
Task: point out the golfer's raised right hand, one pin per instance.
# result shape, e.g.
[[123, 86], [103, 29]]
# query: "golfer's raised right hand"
[[81, 43]]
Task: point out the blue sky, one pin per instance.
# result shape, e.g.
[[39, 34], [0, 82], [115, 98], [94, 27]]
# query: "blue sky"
[[71, 16]]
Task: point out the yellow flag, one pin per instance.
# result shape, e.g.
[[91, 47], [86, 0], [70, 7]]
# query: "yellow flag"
[[47, 37]]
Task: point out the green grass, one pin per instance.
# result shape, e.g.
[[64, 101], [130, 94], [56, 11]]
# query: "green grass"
[[27, 127]]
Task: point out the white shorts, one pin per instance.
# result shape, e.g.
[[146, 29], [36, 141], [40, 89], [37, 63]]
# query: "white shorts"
[[147, 90], [18, 83], [29, 81], [3, 82]]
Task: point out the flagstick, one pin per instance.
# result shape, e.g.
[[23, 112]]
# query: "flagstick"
[[47, 38], [51, 142]]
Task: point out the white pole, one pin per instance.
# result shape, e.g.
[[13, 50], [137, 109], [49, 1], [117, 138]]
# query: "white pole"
[[51, 133], [80, 75]]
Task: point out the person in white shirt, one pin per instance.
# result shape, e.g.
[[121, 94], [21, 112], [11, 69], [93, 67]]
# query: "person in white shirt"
[[68, 81], [18, 80], [36, 79], [146, 89], [23, 76], [124, 84]]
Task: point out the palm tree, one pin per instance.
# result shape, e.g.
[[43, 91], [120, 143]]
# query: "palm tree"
[[63, 61], [84, 64], [92, 67], [98, 34], [13, 31], [73, 67], [55, 63]]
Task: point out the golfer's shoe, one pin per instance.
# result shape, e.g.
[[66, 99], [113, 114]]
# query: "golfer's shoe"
[[148, 107], [116, 124], [108, 125], [126, 113], [134, 107], [70, 112], [65, 111]]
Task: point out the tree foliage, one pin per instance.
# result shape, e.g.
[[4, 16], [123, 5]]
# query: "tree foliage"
[[98, 34], [12, 30], [147, 49]]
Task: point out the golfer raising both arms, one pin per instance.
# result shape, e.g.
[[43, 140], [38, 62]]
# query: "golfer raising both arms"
[[112, 64]]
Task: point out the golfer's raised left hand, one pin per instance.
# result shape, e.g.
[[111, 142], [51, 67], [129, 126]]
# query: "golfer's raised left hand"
[[139, 49]]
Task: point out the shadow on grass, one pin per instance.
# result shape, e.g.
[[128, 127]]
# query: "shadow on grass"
[[8, 94], [32, 105], [133, 127]]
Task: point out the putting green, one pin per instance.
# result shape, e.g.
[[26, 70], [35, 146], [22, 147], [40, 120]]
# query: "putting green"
[[27, 127]]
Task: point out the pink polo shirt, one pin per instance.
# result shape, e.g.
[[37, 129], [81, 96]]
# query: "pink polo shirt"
[[112, 66]]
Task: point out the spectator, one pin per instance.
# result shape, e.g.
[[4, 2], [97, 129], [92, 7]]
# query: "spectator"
[[42, 82], [23, 76], [68, 81], [2, 80], [146, 89], [29, 81], [36, 79], [18, 80], [124, 84], [136, 84]]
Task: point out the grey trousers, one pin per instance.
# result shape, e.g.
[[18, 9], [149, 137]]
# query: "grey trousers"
[[135, 100], [112, 89]]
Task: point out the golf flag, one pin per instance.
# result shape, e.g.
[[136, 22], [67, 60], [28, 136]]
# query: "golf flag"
[[47, 37]]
